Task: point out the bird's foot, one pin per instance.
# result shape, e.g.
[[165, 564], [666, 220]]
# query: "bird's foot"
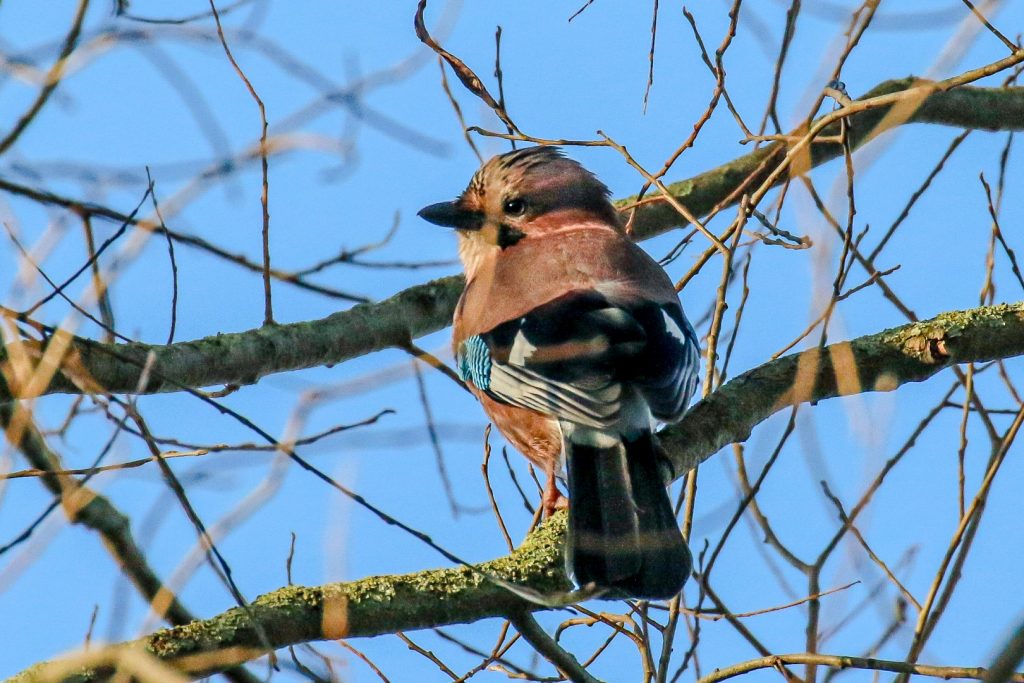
[[552, 500]]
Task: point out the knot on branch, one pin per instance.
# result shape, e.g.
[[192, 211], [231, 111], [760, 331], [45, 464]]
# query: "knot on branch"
[[929, 348]]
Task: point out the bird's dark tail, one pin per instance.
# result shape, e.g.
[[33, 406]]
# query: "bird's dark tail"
[[623, 535]]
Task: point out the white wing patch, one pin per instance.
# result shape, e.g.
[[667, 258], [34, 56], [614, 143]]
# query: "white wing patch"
[[521, 350], [673, 328]]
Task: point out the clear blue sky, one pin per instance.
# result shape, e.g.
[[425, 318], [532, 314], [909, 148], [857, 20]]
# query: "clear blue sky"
[[172, 102]]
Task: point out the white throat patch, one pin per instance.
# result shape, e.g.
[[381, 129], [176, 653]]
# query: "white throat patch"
[[473, 250]]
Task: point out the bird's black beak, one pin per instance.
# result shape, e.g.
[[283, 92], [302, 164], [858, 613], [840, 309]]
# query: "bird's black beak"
[[451, 215]]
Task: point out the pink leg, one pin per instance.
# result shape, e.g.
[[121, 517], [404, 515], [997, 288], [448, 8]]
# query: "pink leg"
[[553, 500]]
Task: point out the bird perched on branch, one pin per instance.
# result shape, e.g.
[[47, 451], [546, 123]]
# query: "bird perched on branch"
[[574, 341]]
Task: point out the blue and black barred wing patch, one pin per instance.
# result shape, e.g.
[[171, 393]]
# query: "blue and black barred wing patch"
[[473, 362], [574, 357], [518, 385]]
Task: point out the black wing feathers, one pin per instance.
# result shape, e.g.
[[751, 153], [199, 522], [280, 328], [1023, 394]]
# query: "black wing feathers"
[[572, 357]]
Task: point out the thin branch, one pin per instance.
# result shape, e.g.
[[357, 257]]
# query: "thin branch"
[[650, 55], [992, 29], [52, 80], [268, 313], [566, 664], [1003, 668], [843, 662], [84, 208], [469, 79], [92, 510]]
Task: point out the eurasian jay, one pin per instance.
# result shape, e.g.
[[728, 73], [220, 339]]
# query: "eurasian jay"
[[574, 341]]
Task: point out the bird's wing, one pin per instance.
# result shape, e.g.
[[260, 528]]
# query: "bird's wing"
[[575, 357]]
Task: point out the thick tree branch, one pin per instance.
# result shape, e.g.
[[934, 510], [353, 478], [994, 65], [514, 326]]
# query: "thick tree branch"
[[372, 606], [879, 362], [245, 357], [968, 107]]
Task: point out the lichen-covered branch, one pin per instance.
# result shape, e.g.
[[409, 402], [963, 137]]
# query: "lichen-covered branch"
[[372, 606], [879, 362], [245, 357], [965, 107]]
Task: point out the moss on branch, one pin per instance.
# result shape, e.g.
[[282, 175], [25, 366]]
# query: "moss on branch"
[[371, 606], [878, 362]]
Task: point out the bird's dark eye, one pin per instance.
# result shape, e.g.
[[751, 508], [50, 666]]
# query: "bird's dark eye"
[[515, 207]]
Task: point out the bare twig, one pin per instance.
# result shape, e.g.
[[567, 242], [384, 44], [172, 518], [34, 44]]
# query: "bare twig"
[[268, 318]]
